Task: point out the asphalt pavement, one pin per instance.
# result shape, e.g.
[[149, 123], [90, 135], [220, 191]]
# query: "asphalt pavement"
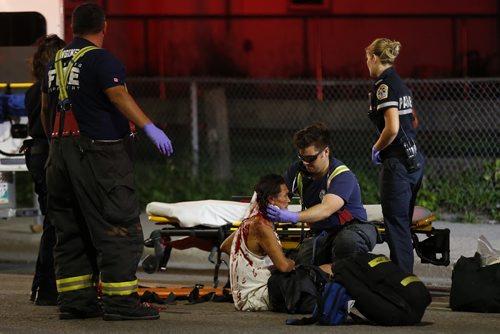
[[19, 246]]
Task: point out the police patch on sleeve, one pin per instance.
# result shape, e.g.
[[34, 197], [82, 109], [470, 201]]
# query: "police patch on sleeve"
[[382, 92]]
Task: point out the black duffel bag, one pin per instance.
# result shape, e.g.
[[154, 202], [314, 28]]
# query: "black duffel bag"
[[383, 293], [475, 288]]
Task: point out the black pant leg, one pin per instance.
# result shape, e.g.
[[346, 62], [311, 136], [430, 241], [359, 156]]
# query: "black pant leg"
[[395, 195], [108, 199], [44, 281], [74, 253]]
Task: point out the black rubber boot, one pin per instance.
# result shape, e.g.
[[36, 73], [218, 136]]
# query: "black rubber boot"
[[66, 313]]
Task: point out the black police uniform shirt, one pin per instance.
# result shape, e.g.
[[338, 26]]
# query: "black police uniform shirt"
[[389, 91], [32, 105], [345, 185], [91, 75]]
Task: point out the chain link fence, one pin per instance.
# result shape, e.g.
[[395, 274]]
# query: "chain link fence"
[[228, 132]]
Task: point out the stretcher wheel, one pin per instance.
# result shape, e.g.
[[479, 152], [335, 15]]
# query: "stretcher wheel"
[[150, 264]]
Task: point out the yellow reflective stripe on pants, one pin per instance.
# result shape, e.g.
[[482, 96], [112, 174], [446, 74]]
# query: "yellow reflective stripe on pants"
[[74, 283], [119, 288]]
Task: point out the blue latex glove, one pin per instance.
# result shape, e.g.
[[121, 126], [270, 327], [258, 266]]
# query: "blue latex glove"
[[159, 138], [376, 157], [281, 215]]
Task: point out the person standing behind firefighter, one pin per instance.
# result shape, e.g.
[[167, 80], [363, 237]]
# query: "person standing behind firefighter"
[[402, 165], [36, 151], [92, 198]]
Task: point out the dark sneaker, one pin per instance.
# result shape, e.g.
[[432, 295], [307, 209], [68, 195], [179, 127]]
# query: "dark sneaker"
[[140, 312], [70, 314]]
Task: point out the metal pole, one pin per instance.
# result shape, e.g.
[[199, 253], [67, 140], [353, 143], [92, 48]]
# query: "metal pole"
[[319, 62], [194, 128]]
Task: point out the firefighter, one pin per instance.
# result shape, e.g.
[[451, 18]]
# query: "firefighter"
[[92, 200], [402, 164]]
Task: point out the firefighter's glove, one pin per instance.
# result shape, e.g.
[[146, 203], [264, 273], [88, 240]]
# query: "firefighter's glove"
[[276, 214], [159, 138], [376, 156]]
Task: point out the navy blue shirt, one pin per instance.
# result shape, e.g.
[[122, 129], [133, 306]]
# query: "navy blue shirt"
[[345, 185], [91, 75], [389, 91]]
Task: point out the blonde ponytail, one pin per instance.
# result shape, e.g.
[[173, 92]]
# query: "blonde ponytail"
[[387, 50]]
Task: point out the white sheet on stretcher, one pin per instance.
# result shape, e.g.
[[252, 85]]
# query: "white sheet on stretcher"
[[211, 213], [215, 213]]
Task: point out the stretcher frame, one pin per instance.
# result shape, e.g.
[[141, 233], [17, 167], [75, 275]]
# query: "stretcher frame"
[[432, 247]]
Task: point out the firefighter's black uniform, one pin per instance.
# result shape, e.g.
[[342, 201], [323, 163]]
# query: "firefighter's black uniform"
[[92, 200], [402, 165]]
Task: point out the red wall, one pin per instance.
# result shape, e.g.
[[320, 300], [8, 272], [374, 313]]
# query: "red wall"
[[274, 39]]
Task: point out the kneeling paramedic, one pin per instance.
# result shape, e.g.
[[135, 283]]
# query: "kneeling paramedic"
[[92, 201], [331, 202]]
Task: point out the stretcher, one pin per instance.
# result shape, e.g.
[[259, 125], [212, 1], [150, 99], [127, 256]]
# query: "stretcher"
[[205, 225]]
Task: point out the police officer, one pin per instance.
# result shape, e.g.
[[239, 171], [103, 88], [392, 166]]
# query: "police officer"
[[44, 290], [331, 202], [92, 198], [395, 150]]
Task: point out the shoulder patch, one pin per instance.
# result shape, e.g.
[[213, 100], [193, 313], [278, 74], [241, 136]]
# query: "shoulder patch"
[[382, 92]]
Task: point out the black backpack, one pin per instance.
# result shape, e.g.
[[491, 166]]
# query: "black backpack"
[[475, 288], [383, 293], [296, 291]]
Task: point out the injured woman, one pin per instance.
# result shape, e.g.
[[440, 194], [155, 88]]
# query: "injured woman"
[[254, 248]]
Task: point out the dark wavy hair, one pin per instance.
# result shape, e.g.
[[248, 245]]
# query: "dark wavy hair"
[[47, 47], [87, 19], [316, 134], [268, 186]]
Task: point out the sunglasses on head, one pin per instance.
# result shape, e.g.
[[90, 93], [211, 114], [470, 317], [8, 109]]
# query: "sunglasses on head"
[[310, 158]]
